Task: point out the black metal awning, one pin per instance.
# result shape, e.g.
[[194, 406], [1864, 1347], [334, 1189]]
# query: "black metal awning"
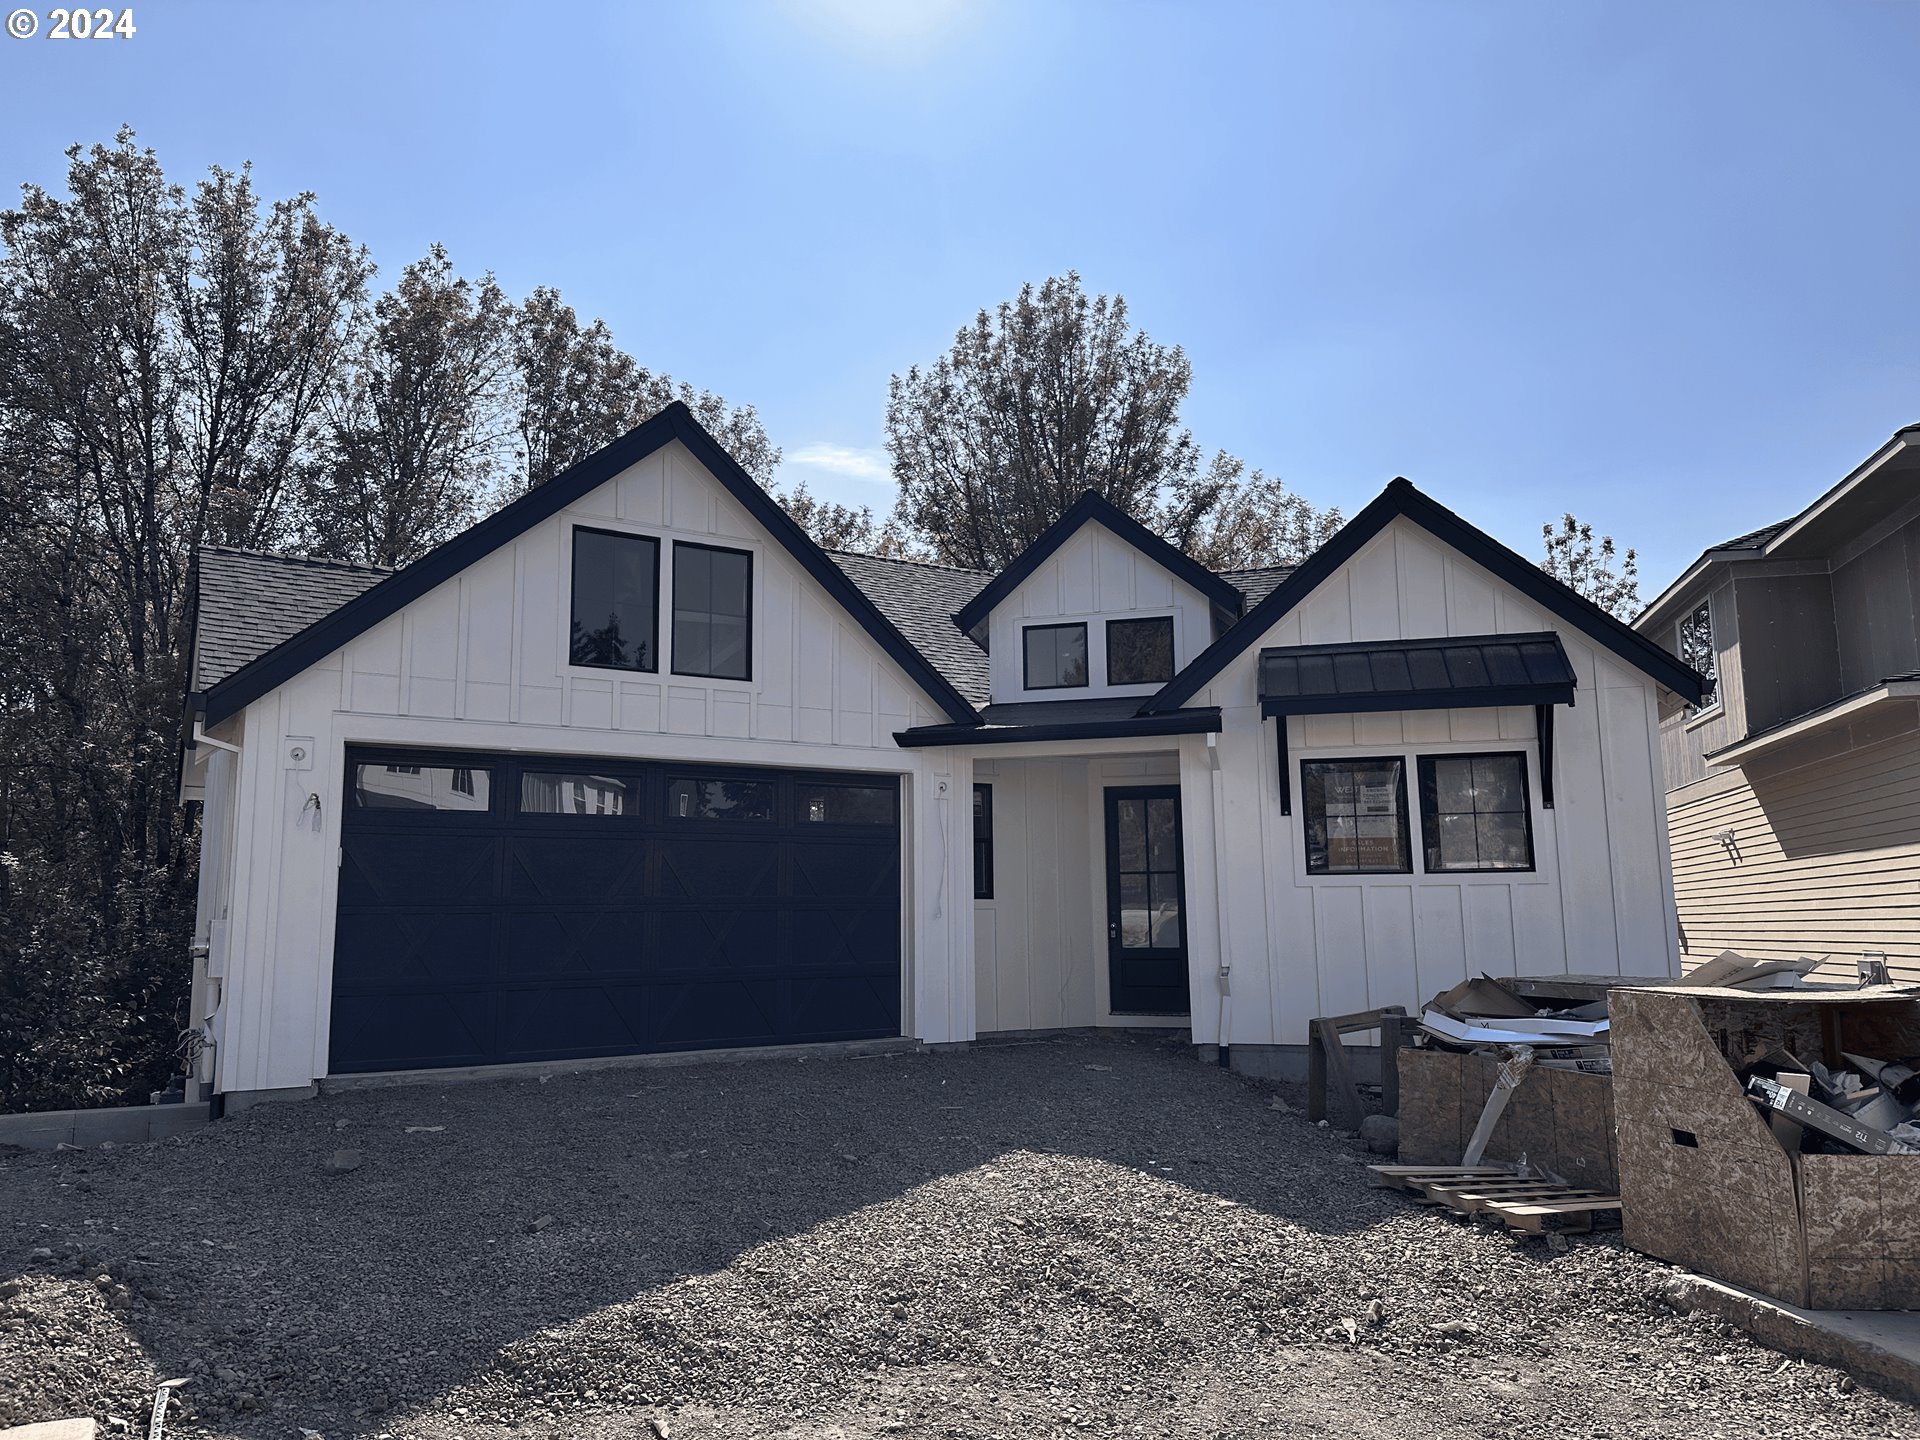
[[1442, 673]]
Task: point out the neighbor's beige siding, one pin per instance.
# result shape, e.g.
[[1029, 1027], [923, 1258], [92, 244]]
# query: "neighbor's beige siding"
[[1825, 860]]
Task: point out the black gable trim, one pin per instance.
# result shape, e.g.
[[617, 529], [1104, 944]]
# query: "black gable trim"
[[442, 563], [1400, 498], [1092, 507]]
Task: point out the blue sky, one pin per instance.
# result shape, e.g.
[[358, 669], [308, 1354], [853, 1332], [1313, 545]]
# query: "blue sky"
[[1653, 263]]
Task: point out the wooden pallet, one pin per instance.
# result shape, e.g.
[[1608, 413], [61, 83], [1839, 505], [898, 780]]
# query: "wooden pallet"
[[1500, 1192]]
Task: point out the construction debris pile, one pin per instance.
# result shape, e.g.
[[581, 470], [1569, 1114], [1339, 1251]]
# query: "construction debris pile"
[[1871, 1108], [1485, 1016]]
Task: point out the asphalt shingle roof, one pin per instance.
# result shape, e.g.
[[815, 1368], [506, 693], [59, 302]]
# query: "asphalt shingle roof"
[[250, 602], [1753, 539], [1259, 583], [920, 600]]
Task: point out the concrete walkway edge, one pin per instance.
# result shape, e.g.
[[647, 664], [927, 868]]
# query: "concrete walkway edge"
[[121, 1124], [1881, 1347]]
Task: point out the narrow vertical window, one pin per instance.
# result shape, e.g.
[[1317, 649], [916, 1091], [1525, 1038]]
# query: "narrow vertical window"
[[712, 612], [616, 600], [983, 842], [1696, 649]]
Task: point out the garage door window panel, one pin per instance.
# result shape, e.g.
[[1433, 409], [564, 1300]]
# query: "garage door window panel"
[[846, 804], [615, 622], [420, 787], [575, 792], [712, 612], [697, 797]]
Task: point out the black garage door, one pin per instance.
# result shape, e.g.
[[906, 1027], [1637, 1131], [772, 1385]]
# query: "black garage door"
[[496, 909]]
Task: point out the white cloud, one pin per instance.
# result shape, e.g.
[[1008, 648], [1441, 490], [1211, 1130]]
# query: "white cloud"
[[845, 461]]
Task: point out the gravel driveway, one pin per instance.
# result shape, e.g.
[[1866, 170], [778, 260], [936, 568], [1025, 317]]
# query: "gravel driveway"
[[1086, 1236]]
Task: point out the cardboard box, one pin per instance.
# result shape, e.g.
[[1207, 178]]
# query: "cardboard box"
[[1706, 1183], [1559, 1121]]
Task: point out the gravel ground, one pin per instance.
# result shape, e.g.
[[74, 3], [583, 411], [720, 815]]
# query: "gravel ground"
[[1079, 1236]]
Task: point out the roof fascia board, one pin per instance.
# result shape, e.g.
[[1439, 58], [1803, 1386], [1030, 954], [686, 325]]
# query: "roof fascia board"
[[676, 422], [1198, 721], [1092, 507], [1900, 440], [1399, 499], [1482, 698], [1740, 751]]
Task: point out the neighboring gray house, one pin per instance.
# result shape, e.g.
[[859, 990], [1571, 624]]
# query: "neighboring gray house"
[[1794, 785], [633, 765]]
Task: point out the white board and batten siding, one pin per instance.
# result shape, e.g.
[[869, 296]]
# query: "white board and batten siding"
[[1040, 941], [1599, 901], [481, 663], [1093, 577]]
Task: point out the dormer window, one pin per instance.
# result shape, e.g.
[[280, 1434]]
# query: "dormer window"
[[1055, 656], [1140, 652]]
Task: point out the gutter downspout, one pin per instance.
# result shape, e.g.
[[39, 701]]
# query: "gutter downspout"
[[1224, 978], [202, 949]]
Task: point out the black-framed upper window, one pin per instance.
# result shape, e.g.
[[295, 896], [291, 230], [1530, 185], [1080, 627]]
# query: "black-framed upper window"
[[1355, 815], [1474, 812], [1695, 643], [1140, 652], [1055, 656], [616, 600], [712, 611], [983, 842]]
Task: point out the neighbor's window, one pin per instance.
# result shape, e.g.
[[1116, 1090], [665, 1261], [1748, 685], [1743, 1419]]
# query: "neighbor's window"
[[1474, 813], [420, 787], [983, 842], [1696, 648], [1356, 816], [616, 588], [846, 804], [557, 792], [1140, 652], [712, 600], [694, 797], [1056, 656]]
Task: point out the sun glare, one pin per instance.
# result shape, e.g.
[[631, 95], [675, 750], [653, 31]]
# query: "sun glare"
[[893, 26]]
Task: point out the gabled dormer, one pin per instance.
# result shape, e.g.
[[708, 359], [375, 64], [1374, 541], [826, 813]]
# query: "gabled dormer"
[[1097, 607]]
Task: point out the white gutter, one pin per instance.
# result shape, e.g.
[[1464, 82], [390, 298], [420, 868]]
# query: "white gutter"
[[200, 737]]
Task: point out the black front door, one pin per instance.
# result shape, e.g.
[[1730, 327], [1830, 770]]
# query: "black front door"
[[1146, 902]]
